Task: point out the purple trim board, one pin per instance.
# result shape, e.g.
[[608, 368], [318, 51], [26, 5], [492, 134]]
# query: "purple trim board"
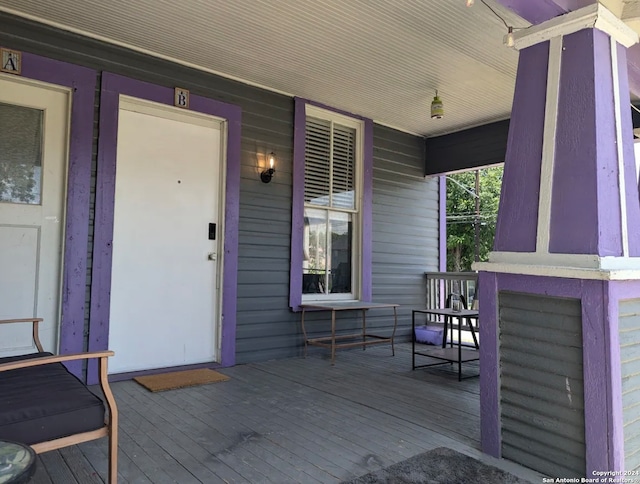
[[442, 224], [603, 411], [517, 224], [297, 211], [537, 11], [631, 185], [112, 87], [82, 81], [585, 208]]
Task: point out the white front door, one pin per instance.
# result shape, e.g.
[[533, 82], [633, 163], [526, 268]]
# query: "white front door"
[[164, 296], [34, 119]]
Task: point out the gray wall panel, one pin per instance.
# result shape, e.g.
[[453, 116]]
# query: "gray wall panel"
[[405, 222], [629, 327], [541, 383], [405, 205]]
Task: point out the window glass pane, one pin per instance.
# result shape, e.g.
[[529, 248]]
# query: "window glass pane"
[[314, 274], [20, 154], [344, 158], [341, 228], [317, 167]]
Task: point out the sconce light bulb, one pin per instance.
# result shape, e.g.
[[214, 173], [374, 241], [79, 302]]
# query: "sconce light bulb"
[[509, 39], [267, 174], [470, 3]]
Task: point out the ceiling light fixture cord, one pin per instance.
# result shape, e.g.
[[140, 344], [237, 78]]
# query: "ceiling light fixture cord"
[[500, 17]]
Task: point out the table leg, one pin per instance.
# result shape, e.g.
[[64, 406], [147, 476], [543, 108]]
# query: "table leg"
[[364, 329], [473, 333], [445, 333], [393, 334], [333, 337], [413, 339], [304, 333], [459, 349]]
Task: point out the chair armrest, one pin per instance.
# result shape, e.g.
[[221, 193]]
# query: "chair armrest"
[[35, 322], [46, 360], [22, 320]]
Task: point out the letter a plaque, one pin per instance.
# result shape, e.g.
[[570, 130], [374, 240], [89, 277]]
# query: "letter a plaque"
[[11, 61]]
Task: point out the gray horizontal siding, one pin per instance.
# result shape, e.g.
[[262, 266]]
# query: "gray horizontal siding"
[[405, 205], [405, 223], [541, 383], [629, 327]]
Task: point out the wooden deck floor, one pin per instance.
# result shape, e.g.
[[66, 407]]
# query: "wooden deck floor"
[[288, 421]]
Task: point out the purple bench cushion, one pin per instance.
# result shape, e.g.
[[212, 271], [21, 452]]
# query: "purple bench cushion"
[[45, 402]]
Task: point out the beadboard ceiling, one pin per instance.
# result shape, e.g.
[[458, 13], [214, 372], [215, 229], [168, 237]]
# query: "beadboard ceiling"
[[381, 59]]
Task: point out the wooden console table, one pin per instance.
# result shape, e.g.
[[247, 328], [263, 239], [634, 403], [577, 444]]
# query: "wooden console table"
[[364, 338]]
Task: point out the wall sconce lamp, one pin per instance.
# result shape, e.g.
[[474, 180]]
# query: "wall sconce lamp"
[[267, 174]]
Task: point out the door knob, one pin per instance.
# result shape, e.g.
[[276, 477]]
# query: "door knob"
[[212, 256]]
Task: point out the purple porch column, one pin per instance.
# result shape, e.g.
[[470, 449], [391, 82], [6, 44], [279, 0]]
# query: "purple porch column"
[[569, 221]]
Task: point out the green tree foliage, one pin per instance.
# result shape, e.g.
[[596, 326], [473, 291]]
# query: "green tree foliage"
[[461, 216]]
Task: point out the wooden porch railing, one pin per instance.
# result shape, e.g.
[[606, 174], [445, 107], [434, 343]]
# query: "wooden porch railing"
[[441, 284]]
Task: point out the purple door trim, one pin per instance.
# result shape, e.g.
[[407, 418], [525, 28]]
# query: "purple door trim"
[[112, 87], [82, 82]]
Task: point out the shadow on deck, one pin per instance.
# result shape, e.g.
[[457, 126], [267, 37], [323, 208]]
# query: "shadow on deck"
[[286, 421]]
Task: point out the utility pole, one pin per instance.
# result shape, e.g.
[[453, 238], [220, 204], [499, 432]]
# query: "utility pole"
[[476, 224]]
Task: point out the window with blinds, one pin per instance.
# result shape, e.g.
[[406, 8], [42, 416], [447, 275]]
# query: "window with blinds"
[[330, 152], [331, 212]]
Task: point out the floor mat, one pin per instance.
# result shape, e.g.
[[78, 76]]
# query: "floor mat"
[[180, 379]]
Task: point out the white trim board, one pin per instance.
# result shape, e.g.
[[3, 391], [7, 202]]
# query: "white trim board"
[[595, 16], [620, 148], [578, 261], [549, 145], [558, 271]]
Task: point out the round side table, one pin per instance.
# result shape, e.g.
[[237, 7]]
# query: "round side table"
[[17, 462]]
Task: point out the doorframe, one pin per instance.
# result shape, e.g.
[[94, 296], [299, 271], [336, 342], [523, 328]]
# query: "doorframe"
[[82, 82], [113, 85]]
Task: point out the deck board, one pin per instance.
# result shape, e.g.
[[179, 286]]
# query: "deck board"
[[298, 420]]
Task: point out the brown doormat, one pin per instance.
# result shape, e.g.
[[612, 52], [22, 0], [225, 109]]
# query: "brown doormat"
[[180, 379]]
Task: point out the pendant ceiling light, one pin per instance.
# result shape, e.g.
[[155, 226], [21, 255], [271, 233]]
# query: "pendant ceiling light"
[[437, 110]]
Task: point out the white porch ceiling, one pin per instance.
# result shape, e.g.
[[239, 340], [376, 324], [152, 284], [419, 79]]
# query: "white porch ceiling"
[[382, 59]]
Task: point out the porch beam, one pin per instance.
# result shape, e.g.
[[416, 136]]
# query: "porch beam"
[[537, 11]]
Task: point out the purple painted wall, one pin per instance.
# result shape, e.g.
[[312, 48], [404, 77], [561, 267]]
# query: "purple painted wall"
[[534, 11], [631, 185], [490, 439], [577, 190], [537, 11], [600, 365], [112, 87], [297, 212], [617, 291], [74, 271], [518, 211]]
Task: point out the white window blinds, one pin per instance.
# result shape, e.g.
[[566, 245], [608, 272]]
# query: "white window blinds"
[[329, 178]]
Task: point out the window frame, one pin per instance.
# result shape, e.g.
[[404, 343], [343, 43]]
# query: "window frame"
[[362, 251]]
